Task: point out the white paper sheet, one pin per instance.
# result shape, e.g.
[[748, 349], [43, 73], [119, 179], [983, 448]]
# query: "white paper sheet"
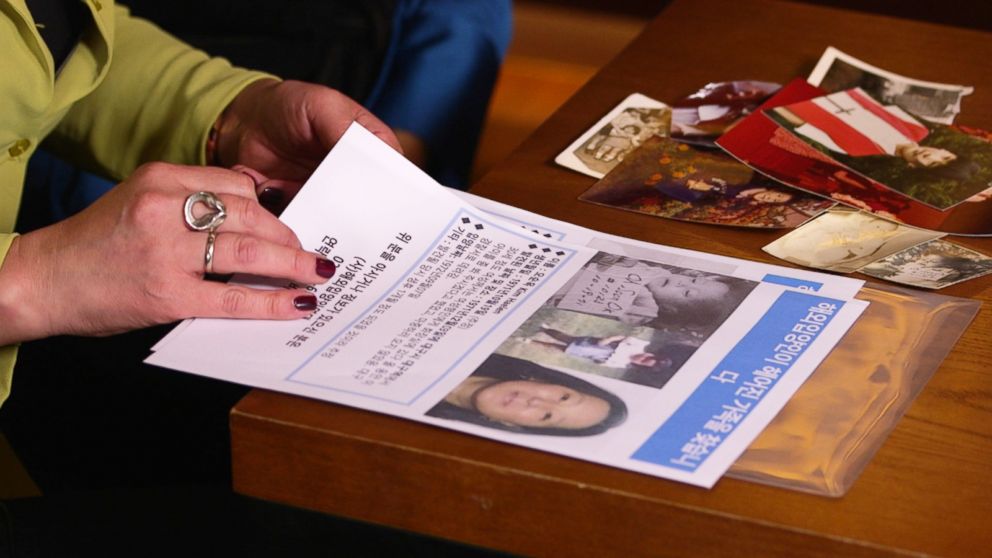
[[429, 287]]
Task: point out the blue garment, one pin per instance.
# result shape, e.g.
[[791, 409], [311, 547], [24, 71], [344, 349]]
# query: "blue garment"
[[438, 75]]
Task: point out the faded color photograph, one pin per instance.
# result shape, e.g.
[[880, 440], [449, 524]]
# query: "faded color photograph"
[[774, 151], [670, 179], [935, 164], [845, 241], [701, 117]]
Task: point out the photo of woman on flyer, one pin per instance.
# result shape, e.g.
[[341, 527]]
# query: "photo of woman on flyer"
[[515, 395]]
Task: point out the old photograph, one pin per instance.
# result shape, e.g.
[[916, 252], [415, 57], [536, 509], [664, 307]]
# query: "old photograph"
[[846, 240], [936, 102], [933, 265]]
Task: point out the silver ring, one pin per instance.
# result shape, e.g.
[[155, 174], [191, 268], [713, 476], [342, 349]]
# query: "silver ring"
[[212, 219], [208, 254]]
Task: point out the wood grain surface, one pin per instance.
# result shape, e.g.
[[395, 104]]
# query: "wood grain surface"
[[927, 490]]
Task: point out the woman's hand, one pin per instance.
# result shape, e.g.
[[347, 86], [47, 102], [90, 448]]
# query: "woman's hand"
[[129, 261], [284, 129]]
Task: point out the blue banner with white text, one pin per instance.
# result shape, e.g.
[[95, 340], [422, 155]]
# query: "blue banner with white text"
[[739, 382]]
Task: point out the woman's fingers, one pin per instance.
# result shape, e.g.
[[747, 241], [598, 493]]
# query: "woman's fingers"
[[245, 215], [273, 194], [130, 261], [220, 300], [197, 179], [239, 182], [164, 189], [251, 240], [245, 253]]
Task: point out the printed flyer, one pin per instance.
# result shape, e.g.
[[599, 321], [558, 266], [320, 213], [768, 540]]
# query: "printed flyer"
[[469, 315]]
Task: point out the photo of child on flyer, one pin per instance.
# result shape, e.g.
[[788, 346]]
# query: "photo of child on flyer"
[[595, 345], [660, 296]]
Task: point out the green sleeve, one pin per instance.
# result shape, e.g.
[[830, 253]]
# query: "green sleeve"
[[157, 102]]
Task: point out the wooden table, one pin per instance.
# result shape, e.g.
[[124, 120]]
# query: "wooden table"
[[926, 491]]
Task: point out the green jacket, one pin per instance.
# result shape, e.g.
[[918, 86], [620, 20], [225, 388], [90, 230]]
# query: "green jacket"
[[129, 93]]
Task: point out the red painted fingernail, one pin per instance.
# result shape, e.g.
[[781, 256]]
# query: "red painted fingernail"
[[305, 302], [272, 199], [326, 268]]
